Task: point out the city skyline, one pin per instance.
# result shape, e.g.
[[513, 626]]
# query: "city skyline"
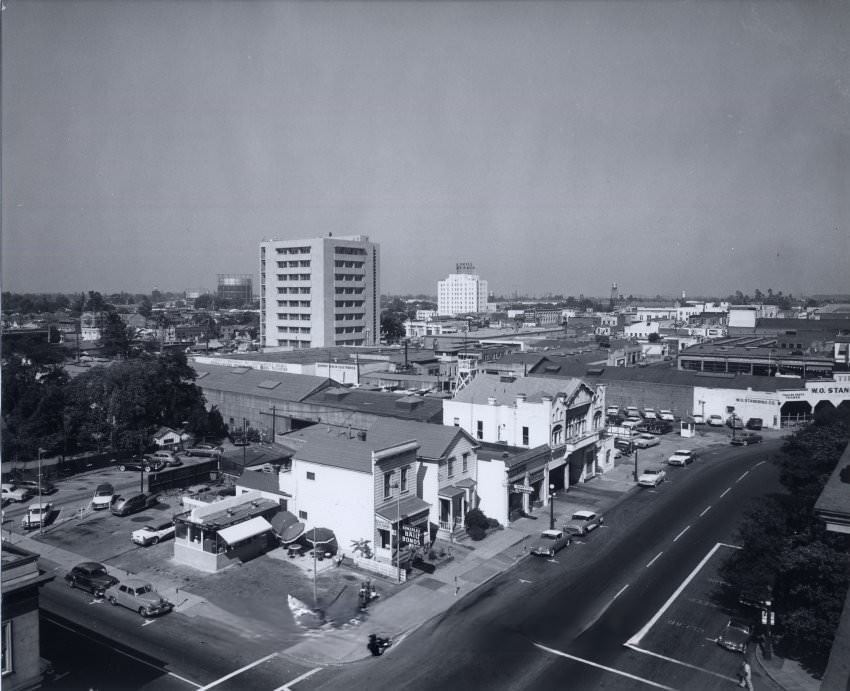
[[557, 146]]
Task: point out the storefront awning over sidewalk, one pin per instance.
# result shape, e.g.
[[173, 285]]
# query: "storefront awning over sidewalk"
[[243, 531], [411, 506]]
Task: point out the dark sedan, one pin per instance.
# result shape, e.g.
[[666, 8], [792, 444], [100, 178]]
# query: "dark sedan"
[[91, 576]]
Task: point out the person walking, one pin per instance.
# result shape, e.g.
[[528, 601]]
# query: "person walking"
[[746, 676]]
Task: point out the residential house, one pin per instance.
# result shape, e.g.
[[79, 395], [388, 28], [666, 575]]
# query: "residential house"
[[168, 438]]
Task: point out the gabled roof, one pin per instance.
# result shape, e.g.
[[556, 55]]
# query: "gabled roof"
[[277, 385], [435, 441], [506, 389], [339, 448]]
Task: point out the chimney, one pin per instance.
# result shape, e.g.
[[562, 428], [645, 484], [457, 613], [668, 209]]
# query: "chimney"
[[491, 401], [361, 435]]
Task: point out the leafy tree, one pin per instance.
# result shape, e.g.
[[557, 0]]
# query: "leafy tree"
[[654, 338], [115, 338], [144, 307], [392, 327]]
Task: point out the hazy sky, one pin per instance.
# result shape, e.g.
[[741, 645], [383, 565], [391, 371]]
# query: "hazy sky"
[[558, 146]]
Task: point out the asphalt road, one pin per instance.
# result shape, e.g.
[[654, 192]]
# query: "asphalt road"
[[582, 606], [588, 602]]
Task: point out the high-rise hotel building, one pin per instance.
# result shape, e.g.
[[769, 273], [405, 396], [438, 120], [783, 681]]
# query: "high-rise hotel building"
[[320, 292], [461, 292]]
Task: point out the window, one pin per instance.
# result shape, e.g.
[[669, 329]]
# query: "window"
[[525, 436], [384, 536], [388, 481], [480, 429], [7, 648], [451, 467], [311, 476], [465, 463], [404, 479], [457, 422], [302, 515]]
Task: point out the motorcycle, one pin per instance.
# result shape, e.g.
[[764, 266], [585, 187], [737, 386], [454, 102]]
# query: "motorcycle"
[[378, 644], [368, 592]]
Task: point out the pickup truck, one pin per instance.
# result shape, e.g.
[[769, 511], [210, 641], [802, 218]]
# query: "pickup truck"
[[621, 431]]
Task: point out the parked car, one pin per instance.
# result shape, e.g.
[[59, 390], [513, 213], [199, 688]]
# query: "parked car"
[[681, 457], [205, 450], [582, 522], [715, 420], [103, 495], [644, 441], [624, 445], [633, 412], [12, 492], [91, 576], [152, 534], [651, 477], [161, 455], [755, 423], [146, 464], [37, 515], [735, 636], [124, 506], [649, 414], [47, 487], [734, 422], [549, 542], [746, 438], [612, 411], [667, 415], [698, 419], [138, 595]]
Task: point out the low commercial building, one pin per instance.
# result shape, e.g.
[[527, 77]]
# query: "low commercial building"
[[22, 666], [513, 481], [211, 536]]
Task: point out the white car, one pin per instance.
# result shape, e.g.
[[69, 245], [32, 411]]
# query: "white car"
[[649, 414], [644, 441], [715, 421], [37, 515], [13, 493], [152, 534], [651, 477], [582, 522], [681, 457], [102, 496], [698, 419], [666, 415]]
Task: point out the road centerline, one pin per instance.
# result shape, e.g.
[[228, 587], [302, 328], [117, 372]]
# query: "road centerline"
[[652, 561], [687, 528], [746, 472], [728, 489], [705, 511]]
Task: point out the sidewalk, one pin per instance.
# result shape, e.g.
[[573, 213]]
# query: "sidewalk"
[[785, 674], [474, 564]]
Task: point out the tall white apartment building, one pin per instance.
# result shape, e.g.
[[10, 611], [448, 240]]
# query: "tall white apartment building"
[[320, 292], [461, 292]]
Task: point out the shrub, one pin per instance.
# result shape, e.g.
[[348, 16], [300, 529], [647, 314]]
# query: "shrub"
[[493, 524], [476, 532], [476, 519]]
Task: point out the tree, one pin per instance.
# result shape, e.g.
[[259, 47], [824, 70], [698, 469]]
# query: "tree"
[[654, 337], [392, 327], [115, 338], [144, 307]]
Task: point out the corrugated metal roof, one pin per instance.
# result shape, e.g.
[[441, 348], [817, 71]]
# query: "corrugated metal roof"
[[427, 409]]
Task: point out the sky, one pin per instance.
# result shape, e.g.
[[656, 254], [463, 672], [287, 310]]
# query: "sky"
[[558, 146]]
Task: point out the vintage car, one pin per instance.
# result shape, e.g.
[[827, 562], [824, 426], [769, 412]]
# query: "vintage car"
[[651, 477], [549, 542], [138, 595], [582, 522], [91, 576]]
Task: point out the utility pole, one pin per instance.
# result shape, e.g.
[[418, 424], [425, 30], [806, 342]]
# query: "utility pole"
[[244, 441], [40, 507], [141, 464], [636, 465], [274, 417]]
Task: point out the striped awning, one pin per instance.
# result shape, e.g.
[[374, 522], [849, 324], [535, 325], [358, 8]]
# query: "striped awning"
[[243, 531]]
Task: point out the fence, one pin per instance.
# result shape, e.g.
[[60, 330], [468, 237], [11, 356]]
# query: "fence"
[[381, 568]]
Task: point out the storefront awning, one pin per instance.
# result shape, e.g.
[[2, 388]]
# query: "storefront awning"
[[242, 531], [406, 508]]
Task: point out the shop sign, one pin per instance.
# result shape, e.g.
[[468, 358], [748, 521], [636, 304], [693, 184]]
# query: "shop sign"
[[411, 533], [522, 489]]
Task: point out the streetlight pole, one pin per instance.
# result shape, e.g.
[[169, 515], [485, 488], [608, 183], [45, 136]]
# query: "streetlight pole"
[[397, 486], [40, 511], [551, 506], [636, 465], [315, 594]]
